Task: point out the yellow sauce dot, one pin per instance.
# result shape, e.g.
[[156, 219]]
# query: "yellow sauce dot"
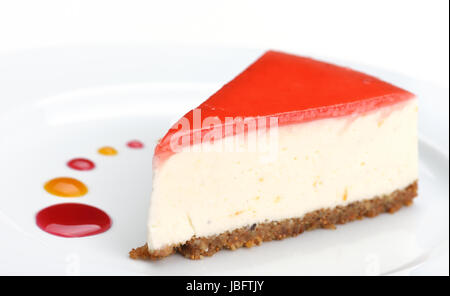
[[108, 151], [66, 187]]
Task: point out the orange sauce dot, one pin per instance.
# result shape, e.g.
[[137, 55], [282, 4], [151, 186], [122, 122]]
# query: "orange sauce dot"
[[66, 187], [109, 151]]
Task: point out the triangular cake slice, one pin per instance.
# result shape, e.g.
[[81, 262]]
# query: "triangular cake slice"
[[291, 144]]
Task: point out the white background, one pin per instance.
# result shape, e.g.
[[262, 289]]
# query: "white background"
[[409, 37]]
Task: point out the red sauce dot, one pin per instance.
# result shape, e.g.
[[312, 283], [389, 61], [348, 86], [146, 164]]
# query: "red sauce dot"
[[73, 220], [135, 144], [81, 164]]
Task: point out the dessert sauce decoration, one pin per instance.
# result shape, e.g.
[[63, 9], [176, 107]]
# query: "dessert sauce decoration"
[[107, 151], [81, 164], [135, 144], [75, 219], [66, 187]]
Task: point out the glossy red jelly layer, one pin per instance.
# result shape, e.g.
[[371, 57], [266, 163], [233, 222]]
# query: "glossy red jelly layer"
[[294, 89], [73, 220]]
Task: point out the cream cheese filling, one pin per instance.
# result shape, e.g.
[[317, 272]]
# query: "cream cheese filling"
[[318, 164]]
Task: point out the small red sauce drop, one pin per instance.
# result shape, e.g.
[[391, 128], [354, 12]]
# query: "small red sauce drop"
[[73, 220], [81, 164], [135, 144]]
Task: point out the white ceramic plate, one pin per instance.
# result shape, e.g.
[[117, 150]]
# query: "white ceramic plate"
[[56, 104]]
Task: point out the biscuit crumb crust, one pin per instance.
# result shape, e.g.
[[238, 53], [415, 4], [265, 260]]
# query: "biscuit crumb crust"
[[254, 235]]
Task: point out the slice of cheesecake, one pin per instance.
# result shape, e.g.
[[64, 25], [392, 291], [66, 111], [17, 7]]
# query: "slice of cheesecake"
[[291, 144]]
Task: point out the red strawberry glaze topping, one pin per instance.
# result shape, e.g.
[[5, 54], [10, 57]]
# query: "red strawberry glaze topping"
[[291, 88]]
